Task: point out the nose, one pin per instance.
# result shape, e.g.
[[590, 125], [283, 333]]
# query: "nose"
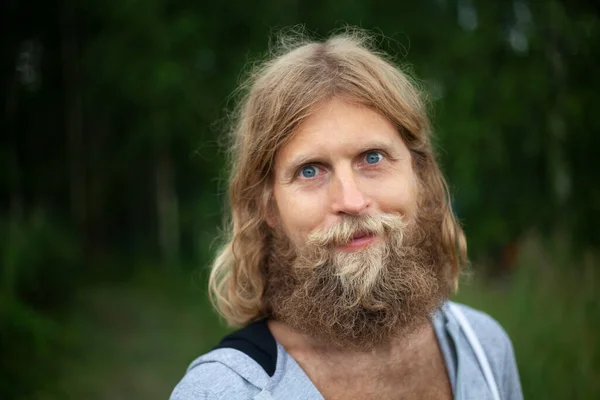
[[347, 196]]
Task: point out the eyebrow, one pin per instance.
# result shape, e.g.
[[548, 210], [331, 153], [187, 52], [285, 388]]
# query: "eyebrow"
[[291, 166]]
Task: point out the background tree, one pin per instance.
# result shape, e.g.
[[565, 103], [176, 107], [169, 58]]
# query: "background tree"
[[114, 111]]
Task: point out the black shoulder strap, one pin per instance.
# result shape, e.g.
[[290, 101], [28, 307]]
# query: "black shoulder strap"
[[257, 342]]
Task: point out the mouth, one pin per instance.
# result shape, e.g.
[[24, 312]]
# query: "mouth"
[[359, 241]]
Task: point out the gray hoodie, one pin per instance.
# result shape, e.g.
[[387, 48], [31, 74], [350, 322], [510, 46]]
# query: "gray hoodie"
[[250, 364]]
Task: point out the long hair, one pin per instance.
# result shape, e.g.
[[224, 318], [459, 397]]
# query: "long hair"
[[279, 95]]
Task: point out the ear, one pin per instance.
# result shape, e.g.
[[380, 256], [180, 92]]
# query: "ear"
[[271, 216], [269, 207], [270, 220]]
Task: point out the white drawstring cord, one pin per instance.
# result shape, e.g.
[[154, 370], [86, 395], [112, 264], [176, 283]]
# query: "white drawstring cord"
[[476, 346]]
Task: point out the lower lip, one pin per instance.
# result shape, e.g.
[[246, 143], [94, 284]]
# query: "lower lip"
[[359, 243]]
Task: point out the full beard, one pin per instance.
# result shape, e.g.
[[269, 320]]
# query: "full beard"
[[359, 299]]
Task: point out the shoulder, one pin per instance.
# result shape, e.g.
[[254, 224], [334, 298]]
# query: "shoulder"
[[490, 333], [239, 367], [497, 347], [208, 378]]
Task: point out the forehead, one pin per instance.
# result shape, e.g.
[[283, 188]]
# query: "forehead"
[[341, 128]]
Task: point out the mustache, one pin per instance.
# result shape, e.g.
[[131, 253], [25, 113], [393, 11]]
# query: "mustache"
[[352, 226]]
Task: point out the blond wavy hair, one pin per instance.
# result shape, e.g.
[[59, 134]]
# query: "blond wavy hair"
[[279, 94]]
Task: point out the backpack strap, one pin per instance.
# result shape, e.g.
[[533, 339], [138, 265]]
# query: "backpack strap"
[[477, 349], [257, 342]]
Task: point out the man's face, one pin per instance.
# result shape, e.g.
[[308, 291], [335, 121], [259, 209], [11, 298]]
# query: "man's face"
[[345, 160], [351, 261]]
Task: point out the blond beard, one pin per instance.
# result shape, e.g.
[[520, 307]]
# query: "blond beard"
[[358, 299]]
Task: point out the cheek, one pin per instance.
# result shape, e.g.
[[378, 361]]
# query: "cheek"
[[399, 196], [299, 214]]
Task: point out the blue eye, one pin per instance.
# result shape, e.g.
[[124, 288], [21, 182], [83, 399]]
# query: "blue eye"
[[373, 157], [308, 172]]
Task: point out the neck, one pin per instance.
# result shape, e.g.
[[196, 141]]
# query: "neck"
[[295, 342]]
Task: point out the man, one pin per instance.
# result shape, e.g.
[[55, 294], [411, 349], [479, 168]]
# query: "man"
[[343, 248]]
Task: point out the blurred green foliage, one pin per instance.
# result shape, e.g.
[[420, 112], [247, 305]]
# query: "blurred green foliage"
[[550, 310], [39, 271], [112, 168]]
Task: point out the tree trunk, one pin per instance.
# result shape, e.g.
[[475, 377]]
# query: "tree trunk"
[[167, 207], [74, 119]]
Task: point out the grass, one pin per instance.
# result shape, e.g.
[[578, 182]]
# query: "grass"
[[551, 312], [134, 340]]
